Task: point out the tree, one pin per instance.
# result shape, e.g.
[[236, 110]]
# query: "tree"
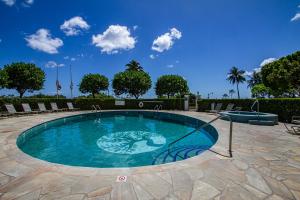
[[132, 82], [225, 96], [93, 83], [236, 76], [260, 91], [3, 79], [134, 66], [282, 76], [231, 92], [24, 77], [171, 85], [254, 79]]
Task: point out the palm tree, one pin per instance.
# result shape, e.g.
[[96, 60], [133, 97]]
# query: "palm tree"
[[236, 76], [225, 96], [231, 92], [255, 79], [134, 66]]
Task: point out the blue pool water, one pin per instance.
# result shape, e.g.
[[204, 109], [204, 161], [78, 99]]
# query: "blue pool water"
[[115, 139]]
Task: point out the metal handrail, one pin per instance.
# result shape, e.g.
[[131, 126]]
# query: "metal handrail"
[[205, 125], [157, 107]]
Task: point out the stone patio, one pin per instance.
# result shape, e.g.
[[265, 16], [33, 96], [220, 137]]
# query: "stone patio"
[[265, 165]]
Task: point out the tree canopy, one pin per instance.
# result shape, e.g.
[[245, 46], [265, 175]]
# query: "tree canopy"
[[236, 76], [254, 79], [24, 77], [93, 83], [171, 85], [132, 82], [260, 91], [134, 66], [283, 76], [3, 79]]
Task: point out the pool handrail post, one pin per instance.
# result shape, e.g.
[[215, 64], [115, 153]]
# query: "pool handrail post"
[[205, 125]]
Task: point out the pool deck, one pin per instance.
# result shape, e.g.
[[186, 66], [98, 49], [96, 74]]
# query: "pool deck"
[[265, 165]]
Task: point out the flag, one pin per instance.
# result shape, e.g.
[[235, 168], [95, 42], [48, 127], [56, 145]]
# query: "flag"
[[71, 85], [58, 86]]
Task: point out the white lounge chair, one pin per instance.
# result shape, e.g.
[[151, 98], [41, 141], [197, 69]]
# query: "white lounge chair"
[[27, 108], [11, 109], [43, 108], [295, 119], [71, 107], [55, 108], [229, 107], [217, 109]]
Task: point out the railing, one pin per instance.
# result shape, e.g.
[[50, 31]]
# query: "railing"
[[96, 108], [158, 107], [257, 107], [205, 125]]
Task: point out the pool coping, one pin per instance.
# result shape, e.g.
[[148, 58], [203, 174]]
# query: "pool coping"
[[20, 156]]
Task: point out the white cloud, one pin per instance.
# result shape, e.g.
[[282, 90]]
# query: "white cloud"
[[135, 27], [73, 59], [29, 1], [152, 56], [0, 40], [114, 39], [267, 61], [258, 69], [53, 64], [9, 2], [296, 17], [66, 57], [74, 26], [166, 41], [43, 41], [170, 66]]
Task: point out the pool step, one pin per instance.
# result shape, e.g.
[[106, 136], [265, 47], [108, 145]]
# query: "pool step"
[[178, 153]]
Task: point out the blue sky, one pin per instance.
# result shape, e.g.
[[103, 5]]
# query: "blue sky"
[[200, 40]]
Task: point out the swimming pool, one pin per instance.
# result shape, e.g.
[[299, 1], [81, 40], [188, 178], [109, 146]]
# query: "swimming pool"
[[116, 139]]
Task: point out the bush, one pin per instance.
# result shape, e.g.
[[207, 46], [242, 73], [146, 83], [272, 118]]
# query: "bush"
[[285, 108], [86, 103]]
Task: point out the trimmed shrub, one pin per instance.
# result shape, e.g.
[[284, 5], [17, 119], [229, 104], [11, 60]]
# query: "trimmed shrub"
[[86, 103], [285, 108]]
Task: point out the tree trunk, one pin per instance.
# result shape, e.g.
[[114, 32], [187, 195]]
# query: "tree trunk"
[[21, 92], [93, 95], [237, 87]]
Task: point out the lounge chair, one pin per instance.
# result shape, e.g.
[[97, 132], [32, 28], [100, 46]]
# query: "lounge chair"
[[55, 108], [294, 130], [238, 108], [217, 109], [43, 108], [71, 107], [11, 110], [27, 109], [229, 107], [295, 119]]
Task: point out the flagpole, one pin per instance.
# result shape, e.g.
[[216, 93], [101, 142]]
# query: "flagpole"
[[56, 82], [71, 84]]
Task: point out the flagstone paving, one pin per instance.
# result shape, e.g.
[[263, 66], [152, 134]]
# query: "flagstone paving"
[[265, 165]]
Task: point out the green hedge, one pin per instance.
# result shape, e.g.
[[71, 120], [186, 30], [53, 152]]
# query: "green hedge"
[[86, 103], [285, 108]]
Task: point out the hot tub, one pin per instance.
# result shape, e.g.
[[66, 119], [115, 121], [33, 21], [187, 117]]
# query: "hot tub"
[[258, 118]]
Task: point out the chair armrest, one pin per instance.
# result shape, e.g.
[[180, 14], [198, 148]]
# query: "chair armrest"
[[295, 117]]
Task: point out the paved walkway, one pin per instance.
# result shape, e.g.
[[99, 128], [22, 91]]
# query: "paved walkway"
[[265, 165]]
